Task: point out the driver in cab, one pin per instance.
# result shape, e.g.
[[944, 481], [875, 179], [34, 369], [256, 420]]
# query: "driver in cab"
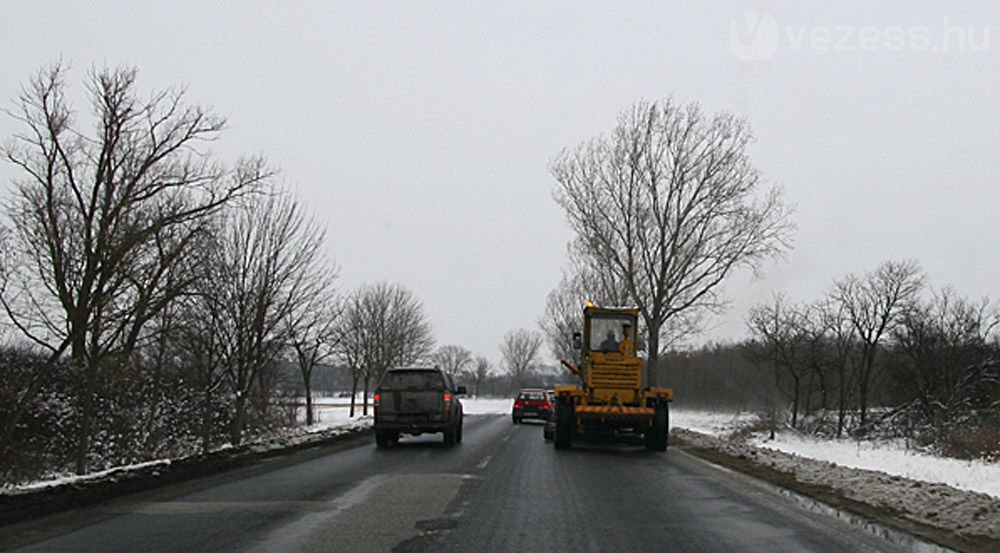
[[625, 347]]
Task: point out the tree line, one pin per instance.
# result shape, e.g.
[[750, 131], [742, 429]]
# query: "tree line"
[[881, 353], [151, 290], [152, 293]]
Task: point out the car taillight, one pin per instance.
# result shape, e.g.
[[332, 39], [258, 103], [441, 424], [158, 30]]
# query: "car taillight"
[[518, 405]]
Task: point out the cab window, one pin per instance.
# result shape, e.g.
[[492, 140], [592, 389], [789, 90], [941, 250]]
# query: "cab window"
[[607, 332]]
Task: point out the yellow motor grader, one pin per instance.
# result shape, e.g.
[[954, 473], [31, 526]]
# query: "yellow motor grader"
[[611, 400]]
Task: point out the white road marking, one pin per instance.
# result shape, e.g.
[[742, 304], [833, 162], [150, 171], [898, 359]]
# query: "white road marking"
[[482, 464]]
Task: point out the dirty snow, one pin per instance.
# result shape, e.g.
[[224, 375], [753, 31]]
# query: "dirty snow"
[[958, 496], [94, 476], [891, 458]]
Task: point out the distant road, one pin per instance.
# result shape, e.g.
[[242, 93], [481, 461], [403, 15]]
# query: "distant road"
[[502, 489]]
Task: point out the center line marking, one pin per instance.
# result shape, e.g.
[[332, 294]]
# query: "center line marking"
[[506, 438], [482, 464]]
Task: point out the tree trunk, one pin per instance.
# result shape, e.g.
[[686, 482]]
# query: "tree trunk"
[[795, 399], [86, 419], [774, 399], [309, 404], [206, 420], [824, 394], [841, 402], [239, 418], [354, 390], [364, 400], [864, 383], [652, 354]]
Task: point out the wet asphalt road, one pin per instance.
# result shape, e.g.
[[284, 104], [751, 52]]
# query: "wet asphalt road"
[[502, 489]]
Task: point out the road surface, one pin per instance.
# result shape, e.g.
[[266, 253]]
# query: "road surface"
[[503, 489]]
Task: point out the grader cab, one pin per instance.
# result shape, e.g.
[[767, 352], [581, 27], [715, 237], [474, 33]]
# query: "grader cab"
[[611, 401]]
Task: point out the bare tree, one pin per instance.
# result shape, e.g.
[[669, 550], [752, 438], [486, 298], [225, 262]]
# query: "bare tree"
[[833, 316], [816, 355], [519, 351], [482, 370], [945, 341], [199, 345], [563, 317], [454, 360], [382, 326], [873, 305], [580, 283], [668, 204], [778, 327], [312, 333], [104, 222], [352, 342], [269, 269]]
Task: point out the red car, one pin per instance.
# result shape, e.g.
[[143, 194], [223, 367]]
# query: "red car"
[[531, 403]]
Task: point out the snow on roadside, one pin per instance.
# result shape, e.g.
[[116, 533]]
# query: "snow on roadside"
[[891, 458], [709, 422], [70, 479], [332, 416], [884, 456], [957, 496]]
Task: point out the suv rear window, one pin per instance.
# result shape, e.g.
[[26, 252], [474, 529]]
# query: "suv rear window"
[[413, 380]]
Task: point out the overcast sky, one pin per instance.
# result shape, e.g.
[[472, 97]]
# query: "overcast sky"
[[420, 134]]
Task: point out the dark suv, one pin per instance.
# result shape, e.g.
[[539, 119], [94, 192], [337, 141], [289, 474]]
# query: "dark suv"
[[531, 403], [417, 400]]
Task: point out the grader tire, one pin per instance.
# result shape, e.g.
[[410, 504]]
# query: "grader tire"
[[656, 436], [564, 424]]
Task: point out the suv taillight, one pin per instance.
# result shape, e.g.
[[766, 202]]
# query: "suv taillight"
[[375, 399]]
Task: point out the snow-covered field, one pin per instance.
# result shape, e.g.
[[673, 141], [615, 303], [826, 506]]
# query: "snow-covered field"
[[334, 412], [711, 423]]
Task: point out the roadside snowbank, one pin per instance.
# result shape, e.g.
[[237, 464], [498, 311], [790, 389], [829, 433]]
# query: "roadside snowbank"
[[891, 458], [919, 488]]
